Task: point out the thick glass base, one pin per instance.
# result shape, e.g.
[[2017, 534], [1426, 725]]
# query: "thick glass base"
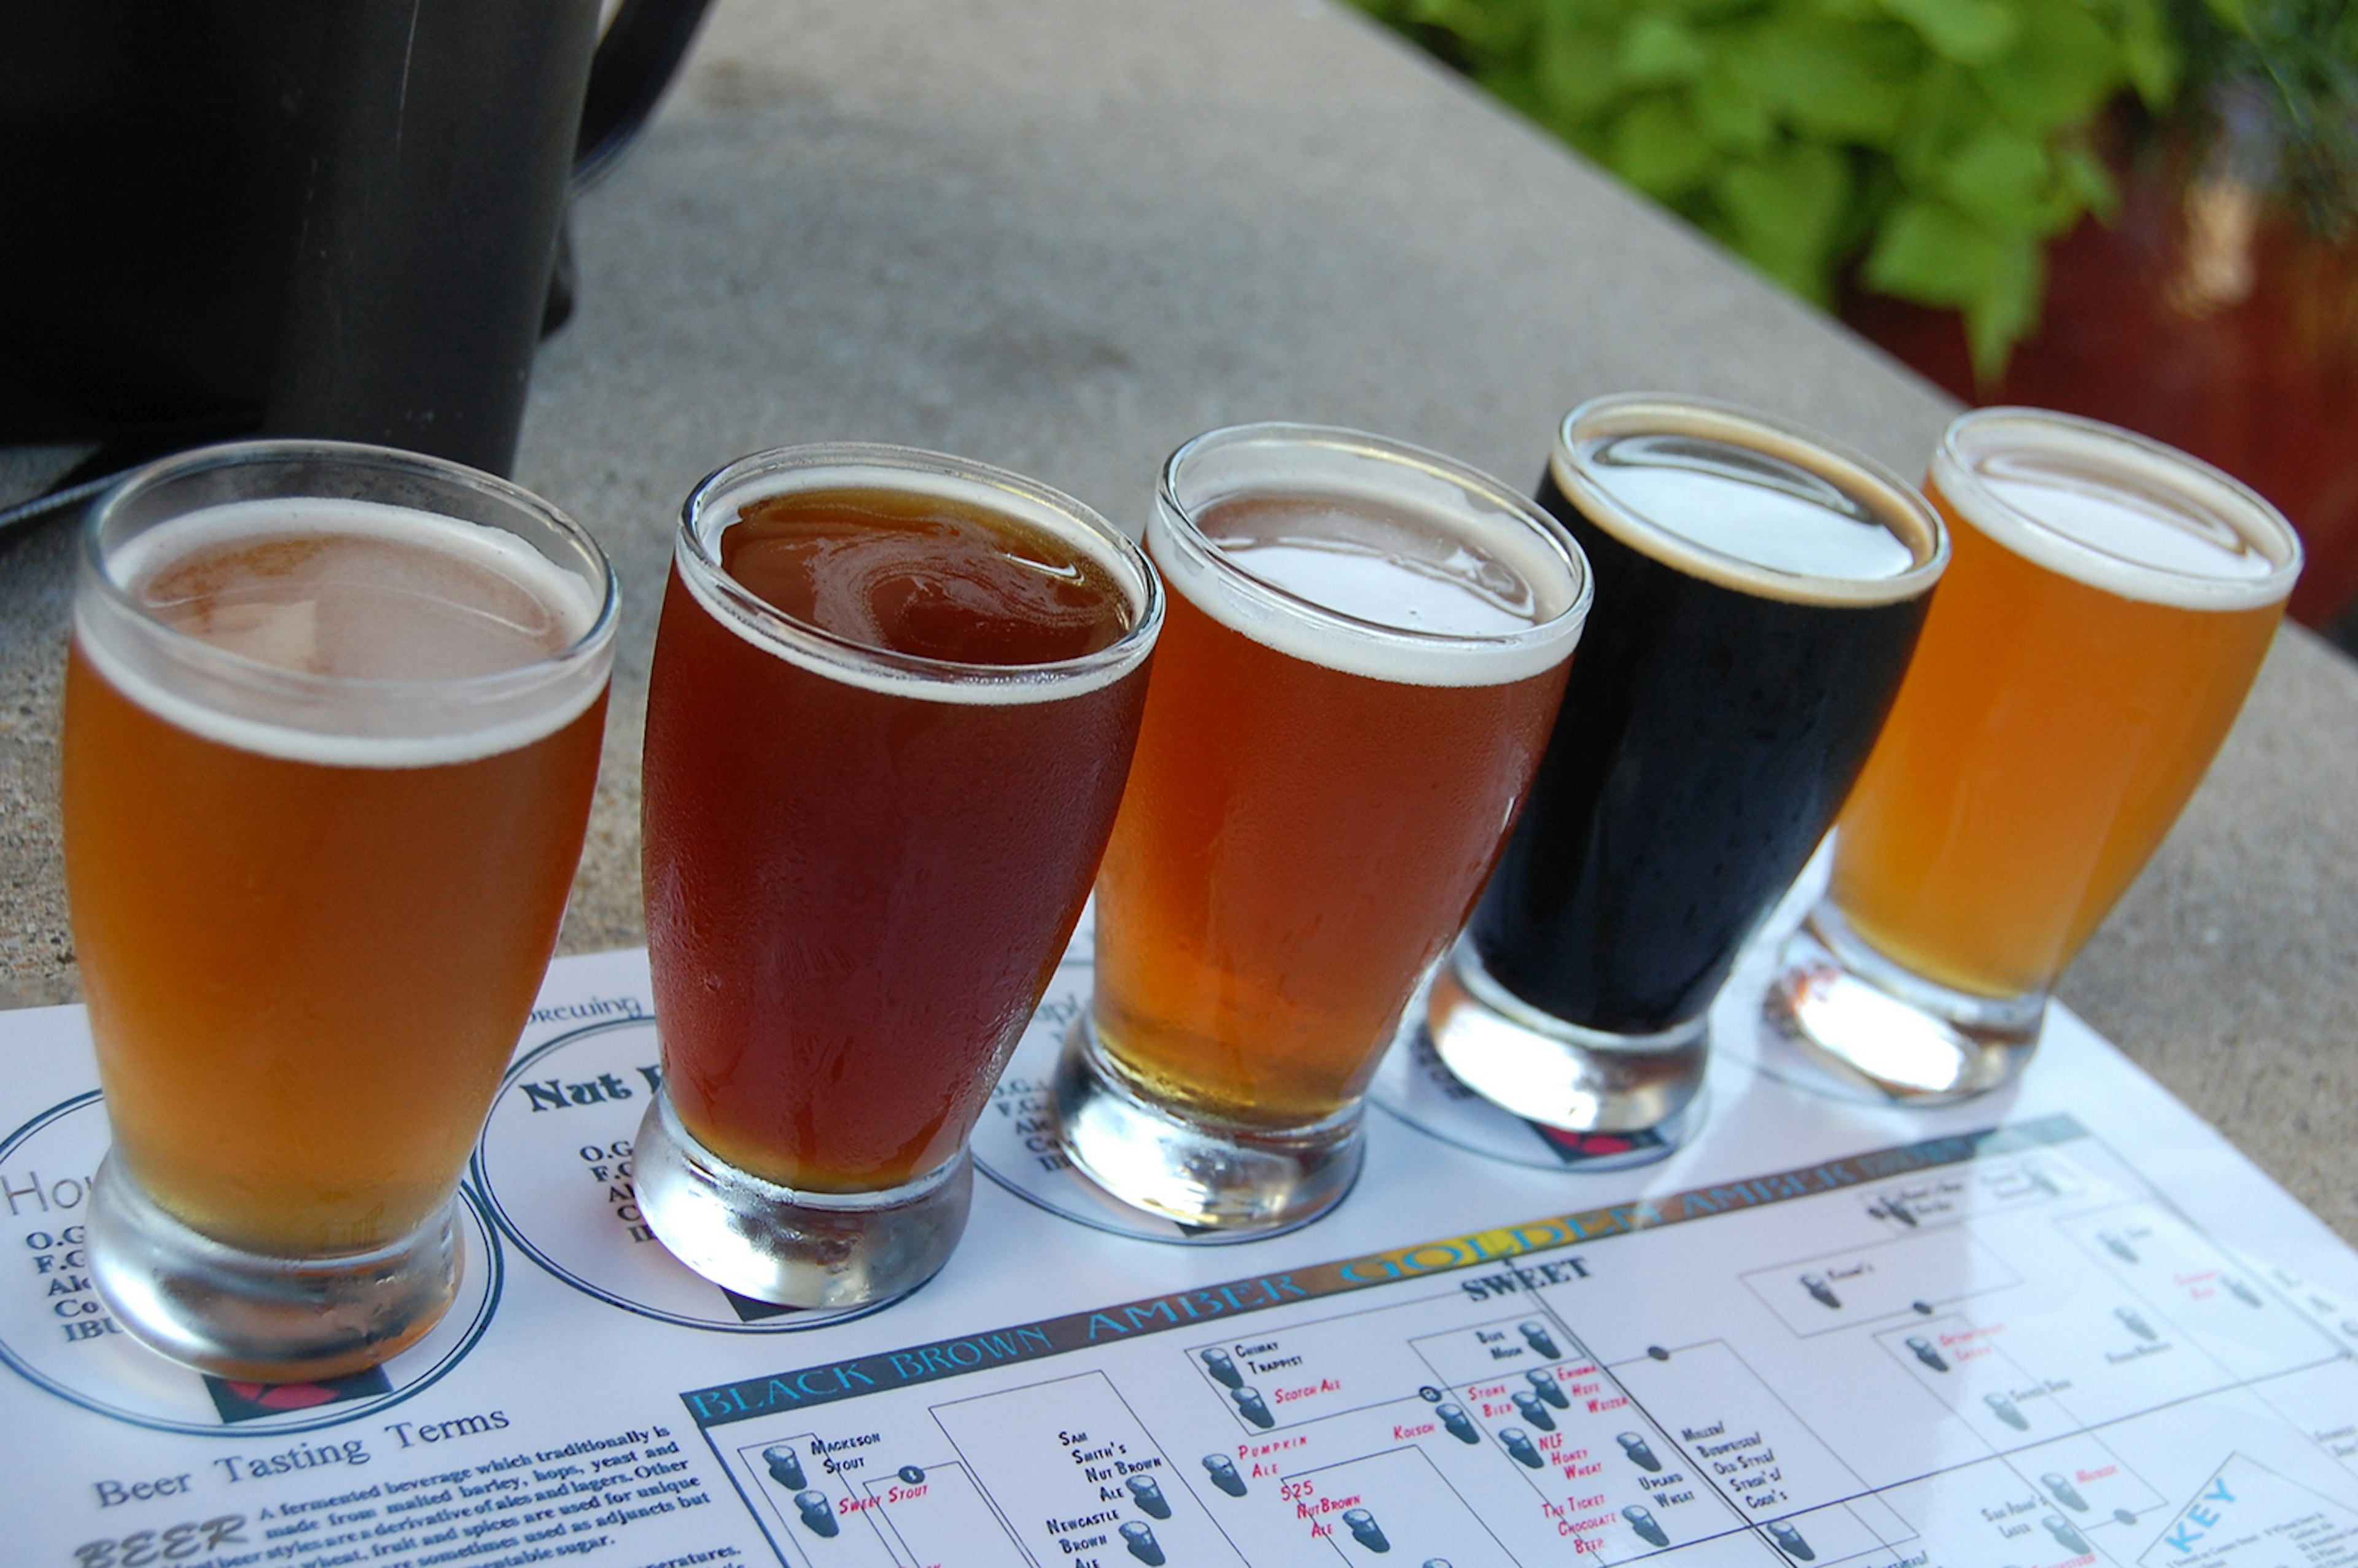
[[1876, 1026], [254, 1316], [774, 1244], [1558, 1074], [1221, 1182]]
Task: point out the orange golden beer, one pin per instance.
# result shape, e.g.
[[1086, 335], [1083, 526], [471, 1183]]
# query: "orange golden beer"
[[2108, 606], [1296, 846], [327, 766], [1361, 660]]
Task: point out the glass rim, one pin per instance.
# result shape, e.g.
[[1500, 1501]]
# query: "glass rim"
[[260, 675], [1719, 419], [849, 462], [1200, 548], [2043, 546]]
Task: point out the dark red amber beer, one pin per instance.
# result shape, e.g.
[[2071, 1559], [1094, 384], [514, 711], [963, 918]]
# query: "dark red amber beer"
[[891, 714]]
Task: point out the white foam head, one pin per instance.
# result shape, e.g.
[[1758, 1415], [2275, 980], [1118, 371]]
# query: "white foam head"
[[271, 706], [1452, 581], [716, 503], [1748, 502], [2115, 510]]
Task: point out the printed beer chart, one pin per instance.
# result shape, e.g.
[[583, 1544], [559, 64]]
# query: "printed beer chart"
[[2065, 1327]]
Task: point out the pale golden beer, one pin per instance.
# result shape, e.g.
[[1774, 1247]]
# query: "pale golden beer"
[[327, 766], [2108, 606]]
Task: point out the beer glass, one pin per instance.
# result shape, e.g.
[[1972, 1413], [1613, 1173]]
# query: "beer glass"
[[332, 716], [1365, 646], [893, 705], [2108, 607], [1759, 591]]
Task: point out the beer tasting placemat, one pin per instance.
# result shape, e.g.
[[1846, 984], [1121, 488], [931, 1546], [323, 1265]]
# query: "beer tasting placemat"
[[2065, 1325]]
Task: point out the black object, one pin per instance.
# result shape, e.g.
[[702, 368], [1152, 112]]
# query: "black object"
[[1706, 739], [334, 221], [785, 1466]]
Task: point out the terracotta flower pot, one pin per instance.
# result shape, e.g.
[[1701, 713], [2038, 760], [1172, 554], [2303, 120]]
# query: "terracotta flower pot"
[[2202, 315]]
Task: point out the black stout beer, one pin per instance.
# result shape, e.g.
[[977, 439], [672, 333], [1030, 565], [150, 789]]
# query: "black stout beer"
[[1757, 594]]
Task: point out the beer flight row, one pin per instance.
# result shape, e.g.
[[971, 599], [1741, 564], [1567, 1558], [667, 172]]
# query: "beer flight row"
[[1322, 747]]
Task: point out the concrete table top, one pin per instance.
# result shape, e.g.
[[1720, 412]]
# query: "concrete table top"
[[1065, 235]]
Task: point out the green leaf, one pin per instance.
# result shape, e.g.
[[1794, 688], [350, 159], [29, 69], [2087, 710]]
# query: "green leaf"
[[2062, 70], [1657, 51], [1783, 211], [2084, 177], [1573, 76], [1931, 254], [2233, 15], [1730, 107], [1656, 145], [1935, 256], [2149, 53], [1834, 80], [2006, 308], [1999, 178], [1970, 32]]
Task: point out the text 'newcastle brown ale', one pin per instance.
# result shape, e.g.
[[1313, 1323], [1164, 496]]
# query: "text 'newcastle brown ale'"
[[877, 788]]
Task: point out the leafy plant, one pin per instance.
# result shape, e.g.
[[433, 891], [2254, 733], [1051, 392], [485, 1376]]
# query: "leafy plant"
[[1937, 145], [2295, 64]]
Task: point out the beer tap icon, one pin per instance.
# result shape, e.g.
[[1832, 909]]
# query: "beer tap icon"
[[1149, 1497], [1251, 1406], [1925, 1354], [2069, 1539], [2244, 1292], [1519, 1443], [2117, 1247], [2006, 1410], [2135, 1323], [785, 1466], [2059, 1487], [1537, 1336], [1459, 1425], [1223, 1471], [1216, 1361], [1544, 1384], [1640, 1452], [1789, 1541], [1821, 1291], [1139, 1536], [1639, 1517], [1366, 1530], [817, 1517], [1532, 1409]]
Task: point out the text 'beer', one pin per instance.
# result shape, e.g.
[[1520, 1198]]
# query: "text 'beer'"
[[307, 951], [840, 856], [1309, 815], [2109, 605]]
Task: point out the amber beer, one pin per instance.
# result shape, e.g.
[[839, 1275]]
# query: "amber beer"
[[891, 709], [328, 767], [2109, 605], [1364, 650]]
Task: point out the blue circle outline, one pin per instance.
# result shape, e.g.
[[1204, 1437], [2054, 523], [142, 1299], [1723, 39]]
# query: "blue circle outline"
[[494, 1259], [799, 1321]]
